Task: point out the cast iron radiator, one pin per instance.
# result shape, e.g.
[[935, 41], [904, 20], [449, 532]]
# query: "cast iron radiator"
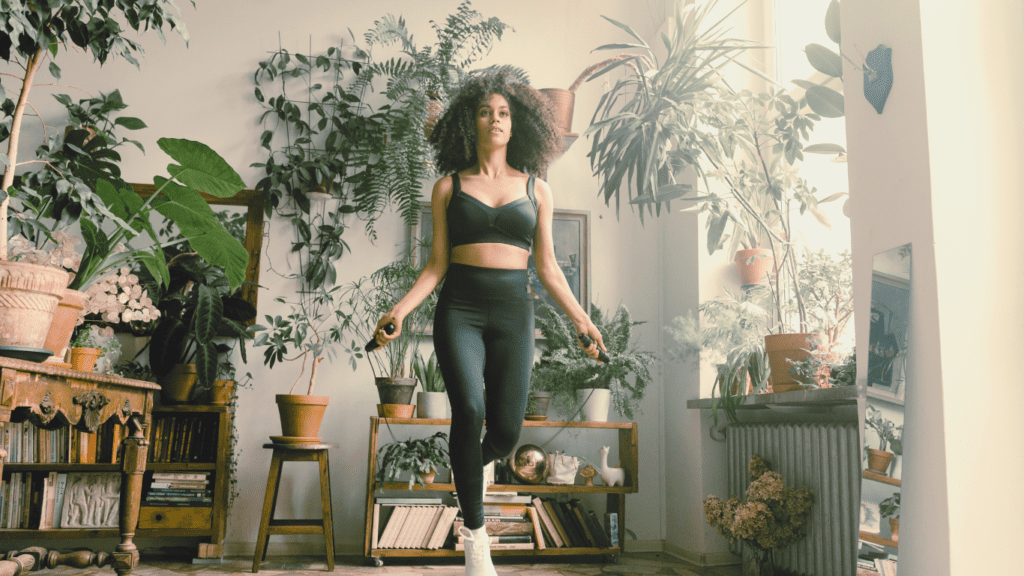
[[826, 459]]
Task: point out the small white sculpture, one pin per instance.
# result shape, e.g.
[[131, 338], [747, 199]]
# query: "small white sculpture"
[[610, 476]]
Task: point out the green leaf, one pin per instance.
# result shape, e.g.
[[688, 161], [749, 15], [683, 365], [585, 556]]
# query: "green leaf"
[[167, 344], [715, 229], [824, 60], [209, 313], [629, 31], [825, 102], [832, 27], [206, 363], [197, 222], [130, 123], [825, 149], [201, 168], [54, 70], [156, 265]]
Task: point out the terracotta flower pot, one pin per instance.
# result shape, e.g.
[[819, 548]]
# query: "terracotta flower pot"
[[64, 319], [177, 386], [395, 410], [221, 392], [563, 101], [84, 359], [301, 414], [29, 295], [879, 460], [427, 477], [781, 350], [758, 269], [894, 527]]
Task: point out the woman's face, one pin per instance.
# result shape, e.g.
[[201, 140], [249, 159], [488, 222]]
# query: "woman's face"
[[493, 120]]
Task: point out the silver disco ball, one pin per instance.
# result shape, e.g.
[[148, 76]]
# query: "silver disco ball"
[[530, 464]]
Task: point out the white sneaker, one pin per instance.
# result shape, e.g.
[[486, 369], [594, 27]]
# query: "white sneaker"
[[478, 552], [488, 476]]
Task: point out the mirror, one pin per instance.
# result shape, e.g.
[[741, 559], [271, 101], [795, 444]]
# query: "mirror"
[[252, 202], [883, 415]]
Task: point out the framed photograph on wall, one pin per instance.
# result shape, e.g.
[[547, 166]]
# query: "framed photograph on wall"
[[570, 232]]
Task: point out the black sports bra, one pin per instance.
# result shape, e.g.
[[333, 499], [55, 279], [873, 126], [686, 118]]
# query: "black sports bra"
[[470, 221]]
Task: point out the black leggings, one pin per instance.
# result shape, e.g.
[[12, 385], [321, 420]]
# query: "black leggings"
[[483, 332]]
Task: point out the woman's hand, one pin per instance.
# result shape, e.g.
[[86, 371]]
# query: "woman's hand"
[[382, 337], [590, 330]]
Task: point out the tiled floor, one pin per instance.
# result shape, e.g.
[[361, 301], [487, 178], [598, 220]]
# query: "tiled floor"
[[638, 564]]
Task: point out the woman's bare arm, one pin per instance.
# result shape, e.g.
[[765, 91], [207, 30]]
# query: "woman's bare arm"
[[434, 270], [551, 275]]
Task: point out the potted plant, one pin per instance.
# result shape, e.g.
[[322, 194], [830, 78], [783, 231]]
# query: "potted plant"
[[89, 344], [432, 401], [369, 298], [199, 303], [772, 516], [890, 508], [33, 34], [732, 340], [573, 378], [420, 456], [889, 435], [537, 404]]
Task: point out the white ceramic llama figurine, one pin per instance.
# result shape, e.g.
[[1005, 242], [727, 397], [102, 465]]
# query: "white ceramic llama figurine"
[[610, 476]]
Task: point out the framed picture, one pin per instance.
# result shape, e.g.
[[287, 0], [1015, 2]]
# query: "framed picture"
[[570, 233]]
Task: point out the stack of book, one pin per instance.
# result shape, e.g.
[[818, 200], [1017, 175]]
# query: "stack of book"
[[571, 525], [422, 523], [179, 489]]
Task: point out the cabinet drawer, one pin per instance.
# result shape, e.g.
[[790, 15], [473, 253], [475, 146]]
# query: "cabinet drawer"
[[175, 517]]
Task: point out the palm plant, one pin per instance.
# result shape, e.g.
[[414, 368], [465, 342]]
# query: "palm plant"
[[643, 128]]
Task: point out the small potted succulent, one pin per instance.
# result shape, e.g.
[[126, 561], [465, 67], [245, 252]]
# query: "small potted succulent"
[[420, 456], [889, 435], [432, 402], [890, 508]]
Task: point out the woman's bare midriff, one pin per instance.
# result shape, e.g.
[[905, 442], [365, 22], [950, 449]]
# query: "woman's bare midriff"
[[503, 256]]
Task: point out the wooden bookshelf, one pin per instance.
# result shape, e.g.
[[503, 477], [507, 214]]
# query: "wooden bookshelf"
[[867, 537], [628, 442]]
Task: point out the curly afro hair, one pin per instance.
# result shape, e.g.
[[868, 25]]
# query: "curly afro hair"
[[535, 141]]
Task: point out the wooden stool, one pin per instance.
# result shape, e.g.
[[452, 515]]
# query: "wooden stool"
[[268, 525]]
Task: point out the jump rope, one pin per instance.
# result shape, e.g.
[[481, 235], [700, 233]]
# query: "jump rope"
[[586, 340]]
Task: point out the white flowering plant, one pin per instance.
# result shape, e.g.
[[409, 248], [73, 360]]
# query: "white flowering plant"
[[119, 297]]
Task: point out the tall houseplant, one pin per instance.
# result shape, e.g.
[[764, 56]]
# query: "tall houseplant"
[[570, 375], [32, 35]]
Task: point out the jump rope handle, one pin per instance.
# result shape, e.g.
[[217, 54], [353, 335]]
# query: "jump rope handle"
[[601, 354], [372, 345]]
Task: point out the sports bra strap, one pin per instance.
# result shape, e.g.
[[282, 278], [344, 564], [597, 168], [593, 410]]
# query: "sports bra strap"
[[529, 192], [456, 184]]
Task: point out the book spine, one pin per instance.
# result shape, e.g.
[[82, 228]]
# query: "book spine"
[[552, 511]]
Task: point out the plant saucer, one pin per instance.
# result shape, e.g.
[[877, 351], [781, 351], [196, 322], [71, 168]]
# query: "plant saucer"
[[536, 417], [22, 353], [295, 439]]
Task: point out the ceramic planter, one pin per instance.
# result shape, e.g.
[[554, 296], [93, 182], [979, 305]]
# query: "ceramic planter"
[[563, 102], [879, 460], [541, 400], [395, 390], [427, 477], [431, 405], [301, 414], [596, 402], [894, 527], [64, 319], [84, 359], [29, 295], [781, 350], [177, 386], [758, 269]]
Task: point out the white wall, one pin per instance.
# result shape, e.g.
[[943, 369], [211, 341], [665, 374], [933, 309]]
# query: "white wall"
[[204, 93], [940, 169]]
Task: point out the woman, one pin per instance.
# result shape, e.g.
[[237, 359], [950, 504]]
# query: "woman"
[[486, 215]]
